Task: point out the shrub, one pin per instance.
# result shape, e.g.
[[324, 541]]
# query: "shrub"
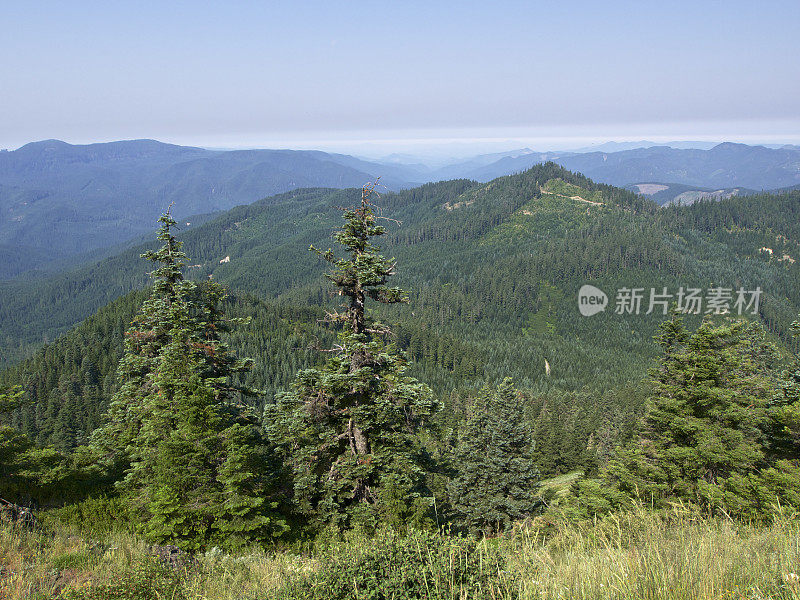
[[104, 514], [147, 580], [421, 564]]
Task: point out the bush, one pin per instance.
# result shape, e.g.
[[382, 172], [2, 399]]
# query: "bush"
[[147, 580], [420, 564], [104, 514]]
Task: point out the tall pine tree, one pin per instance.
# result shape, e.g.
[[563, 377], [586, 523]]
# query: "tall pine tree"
[[349, 430], [498, 480], [705, 435], [145, 340], [194, 458]]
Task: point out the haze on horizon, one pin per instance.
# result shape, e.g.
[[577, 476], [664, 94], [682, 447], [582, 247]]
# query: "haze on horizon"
[[374, 79]]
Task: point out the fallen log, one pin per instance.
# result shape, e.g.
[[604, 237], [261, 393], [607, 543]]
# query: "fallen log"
[[16, 514]]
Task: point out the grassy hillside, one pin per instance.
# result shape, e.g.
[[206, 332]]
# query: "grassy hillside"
[[634, 555]]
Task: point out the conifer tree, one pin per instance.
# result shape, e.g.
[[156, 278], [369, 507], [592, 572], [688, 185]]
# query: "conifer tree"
[[776, 486], [144, 341], [25, 470], [703, 438], [13, 446], [789, 411], [349, 430], [709, 408], [194, 458], [497, 481], [779, 484]]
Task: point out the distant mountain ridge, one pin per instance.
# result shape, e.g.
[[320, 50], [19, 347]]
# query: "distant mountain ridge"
[[726, 165], [59, 201], [620, 146], [67, 199], [667, 194]]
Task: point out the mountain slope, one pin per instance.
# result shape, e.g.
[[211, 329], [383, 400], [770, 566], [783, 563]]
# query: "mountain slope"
[[493, 272], [65, 200], [480, 259], [58, 200]]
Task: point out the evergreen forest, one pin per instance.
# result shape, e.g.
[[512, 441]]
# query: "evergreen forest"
[[366, 393]]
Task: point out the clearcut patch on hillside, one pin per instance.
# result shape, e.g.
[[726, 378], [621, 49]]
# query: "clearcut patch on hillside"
[[561, 207], [568, 191]]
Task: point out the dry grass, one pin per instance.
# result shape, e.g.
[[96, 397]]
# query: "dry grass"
[[637, 555], [642, 555], [37, 565]]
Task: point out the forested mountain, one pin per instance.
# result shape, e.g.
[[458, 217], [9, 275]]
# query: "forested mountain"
[[723, 166], [493, 273], [533, 228], [511, 397], [58, 199]]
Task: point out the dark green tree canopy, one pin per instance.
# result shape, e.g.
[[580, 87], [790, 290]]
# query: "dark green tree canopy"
[[349, 430], [707, 435], [789, 410], [192, 453], [26, 472], [498, 480]]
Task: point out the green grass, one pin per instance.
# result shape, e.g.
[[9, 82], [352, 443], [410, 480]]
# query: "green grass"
[[678, 555], [561, 484]]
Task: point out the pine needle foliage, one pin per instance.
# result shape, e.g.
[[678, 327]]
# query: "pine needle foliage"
[[349, 430], [789, 412], [194, 459], [26, 471], [498, 480], [708, 433]]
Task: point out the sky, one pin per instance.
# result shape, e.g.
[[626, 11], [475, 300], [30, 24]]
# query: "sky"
[[380, 77]]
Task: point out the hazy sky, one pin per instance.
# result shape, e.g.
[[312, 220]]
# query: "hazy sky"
[[326, 72]]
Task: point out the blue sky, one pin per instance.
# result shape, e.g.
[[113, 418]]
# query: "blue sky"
[[295, 74]]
